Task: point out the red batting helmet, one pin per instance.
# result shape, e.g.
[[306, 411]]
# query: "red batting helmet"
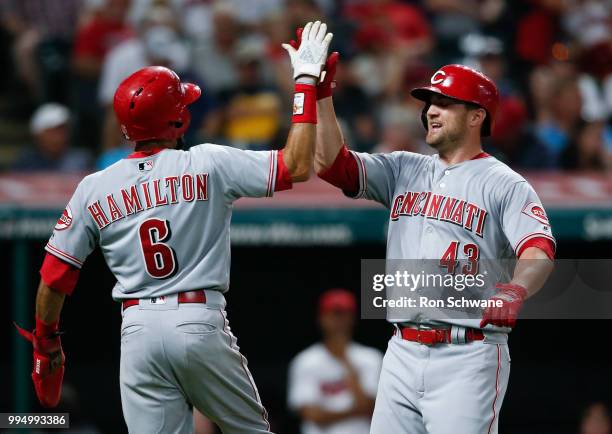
[[464, 84], [337, 299], [152, 104]]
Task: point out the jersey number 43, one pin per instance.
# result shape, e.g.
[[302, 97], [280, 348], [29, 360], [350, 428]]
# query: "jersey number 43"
[[450, 262], [159, 257]]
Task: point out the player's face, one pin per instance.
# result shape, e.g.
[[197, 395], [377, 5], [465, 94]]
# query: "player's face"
[[446, 123], [337, 322]]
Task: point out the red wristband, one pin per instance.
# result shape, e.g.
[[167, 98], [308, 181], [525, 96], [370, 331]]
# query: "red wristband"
[[44, 329], [305, 104]]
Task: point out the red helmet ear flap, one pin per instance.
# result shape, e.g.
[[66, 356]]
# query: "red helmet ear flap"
[[183, 125], [424, 115]]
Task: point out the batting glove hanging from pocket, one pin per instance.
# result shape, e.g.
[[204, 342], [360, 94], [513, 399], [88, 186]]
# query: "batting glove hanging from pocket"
[[48, 369]]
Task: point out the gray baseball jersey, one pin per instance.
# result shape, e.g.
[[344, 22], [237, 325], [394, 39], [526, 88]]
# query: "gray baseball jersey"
[[162, 221], [474, 210], [478, 209]]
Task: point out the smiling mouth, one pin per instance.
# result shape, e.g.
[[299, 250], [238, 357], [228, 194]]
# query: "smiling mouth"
[[435, 125]]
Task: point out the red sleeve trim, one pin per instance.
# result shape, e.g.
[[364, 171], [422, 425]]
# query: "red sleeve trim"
[[271, 175], [59, 275], [344, 173], [63, 255], [540, 242], [283, 177]]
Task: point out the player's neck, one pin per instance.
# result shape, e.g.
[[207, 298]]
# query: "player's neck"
[[460, 154], [336, 344], [154, 144]]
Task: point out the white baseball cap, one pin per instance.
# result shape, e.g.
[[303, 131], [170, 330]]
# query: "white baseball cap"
[[47, 116]]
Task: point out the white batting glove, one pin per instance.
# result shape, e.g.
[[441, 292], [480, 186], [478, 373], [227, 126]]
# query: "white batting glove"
[[309, 58]]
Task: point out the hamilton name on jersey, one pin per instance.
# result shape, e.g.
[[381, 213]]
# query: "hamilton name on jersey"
[[154, 193], [439, 207]]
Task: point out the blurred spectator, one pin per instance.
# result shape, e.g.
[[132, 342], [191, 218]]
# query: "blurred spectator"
[[355, 108], [454, 18], [252, 16], [587, 149], [42, 32], [300, 12], [277, 31], [52, 151], [391, 36], [194, 16], [589, 24], [250, 116], [402, 130], [212, 57], [549, 58], [332, 385], [512, 140], [558, 116], [104, 28], [596, 420], [536, 30]]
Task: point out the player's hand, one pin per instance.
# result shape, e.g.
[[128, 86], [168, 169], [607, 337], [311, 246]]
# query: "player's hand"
[[48, 369], [309, 58], [512, 298], [327, 83]]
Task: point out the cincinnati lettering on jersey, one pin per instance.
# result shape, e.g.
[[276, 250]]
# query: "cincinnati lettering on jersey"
[[439, 207], [151, 194]]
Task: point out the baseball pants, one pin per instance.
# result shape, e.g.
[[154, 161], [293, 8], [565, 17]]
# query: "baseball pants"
[[441, 389], [174, 356]]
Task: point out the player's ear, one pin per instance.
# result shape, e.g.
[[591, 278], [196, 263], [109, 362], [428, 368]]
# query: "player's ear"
[[477, 117]]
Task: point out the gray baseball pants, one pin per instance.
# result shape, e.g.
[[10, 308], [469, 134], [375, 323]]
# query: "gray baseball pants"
[[174, 356], [442, 389]]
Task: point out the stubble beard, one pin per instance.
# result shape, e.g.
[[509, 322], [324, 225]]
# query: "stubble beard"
[[447, 140]]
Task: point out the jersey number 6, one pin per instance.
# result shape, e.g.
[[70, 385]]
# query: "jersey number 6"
[[160, 258]]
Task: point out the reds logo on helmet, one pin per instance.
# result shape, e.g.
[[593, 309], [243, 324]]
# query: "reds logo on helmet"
[[65, 220], [535, 211], [435, 80]]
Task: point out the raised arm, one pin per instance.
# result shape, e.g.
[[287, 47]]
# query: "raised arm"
[[329, 134], [299, 150], [307, 61]]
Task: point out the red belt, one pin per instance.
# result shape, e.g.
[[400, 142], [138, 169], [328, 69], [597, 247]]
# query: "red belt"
[[195, 296], [437, 336]]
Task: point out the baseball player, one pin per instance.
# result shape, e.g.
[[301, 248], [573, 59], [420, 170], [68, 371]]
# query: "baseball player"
[[461, 204], [332, 384], [161, 218]]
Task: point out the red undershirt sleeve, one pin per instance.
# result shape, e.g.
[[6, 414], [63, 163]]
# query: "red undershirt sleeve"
[[544, 244], [59, 275], [283, 177], [344, 173]]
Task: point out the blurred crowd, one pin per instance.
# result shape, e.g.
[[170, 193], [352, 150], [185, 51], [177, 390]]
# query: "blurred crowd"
[[552, 60]]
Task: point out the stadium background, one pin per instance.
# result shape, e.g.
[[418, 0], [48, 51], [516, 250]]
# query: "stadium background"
[[551, 59]]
